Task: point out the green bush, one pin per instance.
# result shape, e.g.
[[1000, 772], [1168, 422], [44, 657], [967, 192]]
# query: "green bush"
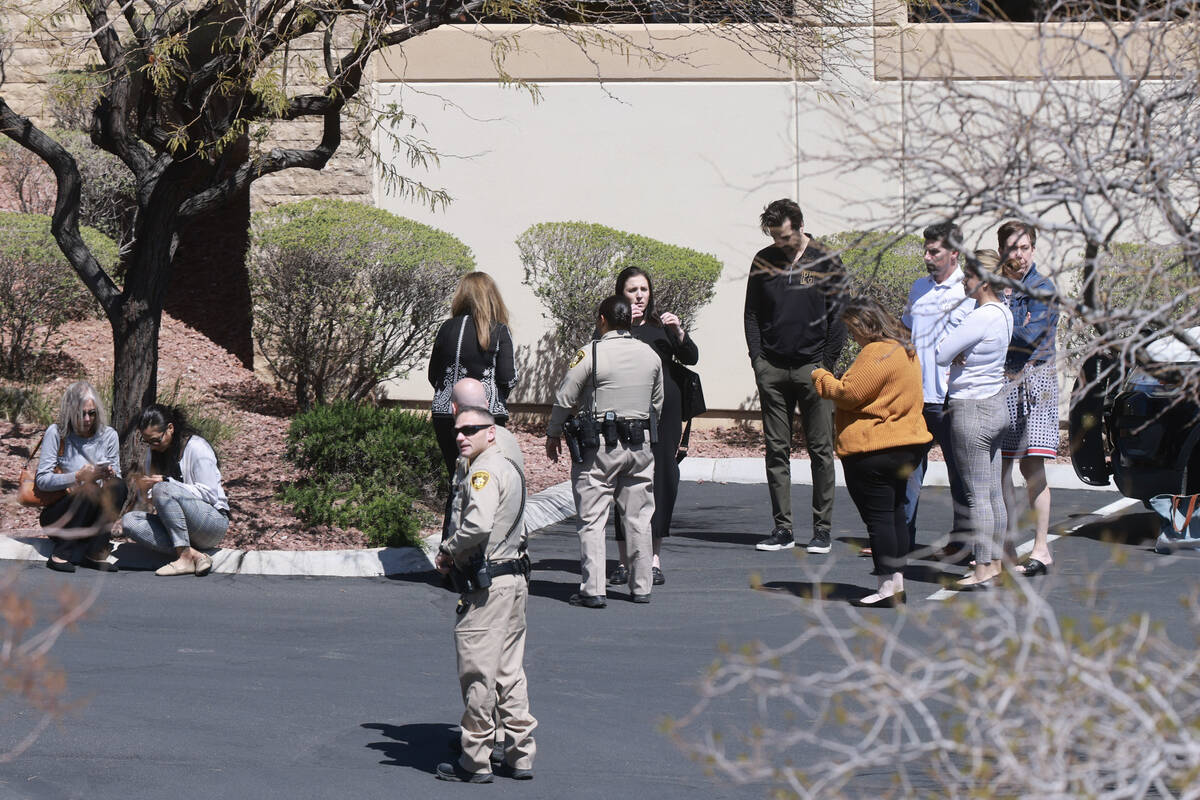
[[881, 265], [367, 468], [347, 296], [39, 290], [572, 267]]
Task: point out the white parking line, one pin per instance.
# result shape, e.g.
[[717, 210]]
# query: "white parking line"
[[1026, 547]]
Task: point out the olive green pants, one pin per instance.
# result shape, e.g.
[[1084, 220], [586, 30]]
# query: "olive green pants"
[[781, 392]]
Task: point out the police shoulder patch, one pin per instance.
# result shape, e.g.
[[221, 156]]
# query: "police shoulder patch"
[[479, 479], [579, 354]]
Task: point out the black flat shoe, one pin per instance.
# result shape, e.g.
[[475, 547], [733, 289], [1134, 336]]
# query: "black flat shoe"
[[619, 577], [60, 566], [99, 566], [1033, 567], [641, 598], [891, 601], [659, 578]]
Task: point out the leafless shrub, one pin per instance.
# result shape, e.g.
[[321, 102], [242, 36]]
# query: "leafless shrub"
[[1005, 695], [347, 296]]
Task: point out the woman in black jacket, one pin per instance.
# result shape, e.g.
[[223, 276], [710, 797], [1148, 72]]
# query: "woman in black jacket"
[[473, 343], [664, 332]]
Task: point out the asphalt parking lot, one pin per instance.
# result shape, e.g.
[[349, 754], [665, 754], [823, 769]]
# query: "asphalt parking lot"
[[263, 687]]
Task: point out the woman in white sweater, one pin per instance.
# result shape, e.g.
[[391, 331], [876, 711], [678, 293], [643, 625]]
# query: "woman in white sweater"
[[975, 351], [182, 482]]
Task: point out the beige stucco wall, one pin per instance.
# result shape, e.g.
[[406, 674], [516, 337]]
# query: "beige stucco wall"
[[687, 155]]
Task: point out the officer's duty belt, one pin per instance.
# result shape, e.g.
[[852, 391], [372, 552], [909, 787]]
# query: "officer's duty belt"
[[516, 566]]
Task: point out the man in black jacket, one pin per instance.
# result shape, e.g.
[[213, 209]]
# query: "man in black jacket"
[[793, 325]]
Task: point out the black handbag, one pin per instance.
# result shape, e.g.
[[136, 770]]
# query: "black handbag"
[[691, 402], [691, 391]]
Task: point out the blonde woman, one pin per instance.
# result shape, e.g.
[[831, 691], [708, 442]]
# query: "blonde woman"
[[81, 455], [473, 343]]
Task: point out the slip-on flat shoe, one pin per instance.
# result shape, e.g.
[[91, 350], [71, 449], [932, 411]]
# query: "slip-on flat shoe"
[[177, 567], [1033, 567], [587, 600], [659, 578], [891, 601], [60, 566], [97, 564], [982, 586], [203, 565], [497, 755], [453, 772], [641, 598]]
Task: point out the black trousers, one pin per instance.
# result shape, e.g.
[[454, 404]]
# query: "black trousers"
[[877, 482], [78, 511], [666, 486]]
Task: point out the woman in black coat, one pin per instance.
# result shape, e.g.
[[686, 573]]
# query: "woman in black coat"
[[665, 333], [473, 343]]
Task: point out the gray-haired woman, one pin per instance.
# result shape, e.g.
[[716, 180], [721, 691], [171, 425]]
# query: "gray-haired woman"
[[81, 456]]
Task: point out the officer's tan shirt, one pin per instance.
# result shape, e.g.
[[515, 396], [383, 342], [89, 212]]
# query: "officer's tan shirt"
[[629, 381], [488, 502]]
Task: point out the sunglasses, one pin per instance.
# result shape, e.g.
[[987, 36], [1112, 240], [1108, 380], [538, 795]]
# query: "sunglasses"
[[471, 430]]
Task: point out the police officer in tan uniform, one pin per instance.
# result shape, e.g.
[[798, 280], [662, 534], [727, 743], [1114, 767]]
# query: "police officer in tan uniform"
[[486, 551], [622, 388]]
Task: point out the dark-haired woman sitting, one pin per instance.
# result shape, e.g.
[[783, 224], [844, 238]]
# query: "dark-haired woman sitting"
[[183, 485]]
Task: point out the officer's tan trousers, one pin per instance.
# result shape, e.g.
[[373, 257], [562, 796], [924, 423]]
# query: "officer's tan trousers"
[[626, 475], [490, 641]]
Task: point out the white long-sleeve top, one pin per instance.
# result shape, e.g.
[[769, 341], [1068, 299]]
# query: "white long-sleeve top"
[[201, 477], [982, 337]]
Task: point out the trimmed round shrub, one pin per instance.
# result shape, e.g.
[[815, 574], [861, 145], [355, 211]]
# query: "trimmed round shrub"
[[347, 296], [572, 267], [39, 289], [368, 468]]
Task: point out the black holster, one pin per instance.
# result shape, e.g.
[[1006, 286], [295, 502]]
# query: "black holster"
[[473, 578]]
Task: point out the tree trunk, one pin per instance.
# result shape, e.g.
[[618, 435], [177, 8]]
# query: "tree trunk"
[[135, 372]]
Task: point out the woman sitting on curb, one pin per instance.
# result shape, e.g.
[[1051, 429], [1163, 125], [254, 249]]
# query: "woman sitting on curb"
[[81, 456], [182, 483]]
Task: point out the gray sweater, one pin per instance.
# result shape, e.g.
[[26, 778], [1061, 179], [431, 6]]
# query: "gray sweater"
[[78, 452]]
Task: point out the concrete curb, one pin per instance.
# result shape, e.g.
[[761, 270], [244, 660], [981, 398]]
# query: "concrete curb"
[[547, 507]]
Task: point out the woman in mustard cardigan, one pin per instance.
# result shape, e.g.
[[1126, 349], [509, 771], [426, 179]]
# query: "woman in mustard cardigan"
[[881, 436]]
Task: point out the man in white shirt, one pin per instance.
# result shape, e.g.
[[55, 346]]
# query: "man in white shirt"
[[937, 303]]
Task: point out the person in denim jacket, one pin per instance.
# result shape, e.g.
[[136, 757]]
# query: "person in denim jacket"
[[1032, 391]]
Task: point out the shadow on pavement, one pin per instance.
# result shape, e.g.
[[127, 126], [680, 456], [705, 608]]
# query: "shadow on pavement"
[[420, 746], [825, 590], [428, 578], [568, 565], [715, 537], [553, 590], [1132, 529]]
